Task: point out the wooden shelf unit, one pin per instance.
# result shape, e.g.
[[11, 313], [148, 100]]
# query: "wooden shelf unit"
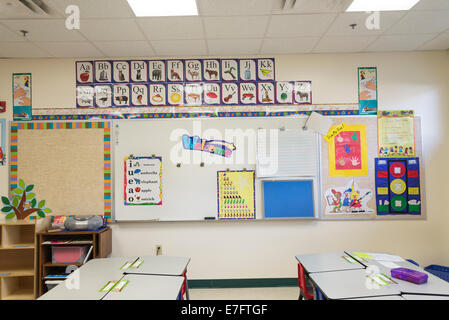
[[101, 241], [18, 258]]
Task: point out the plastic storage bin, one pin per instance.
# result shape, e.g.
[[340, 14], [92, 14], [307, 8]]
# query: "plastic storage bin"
[[439, 271], [68, 254]]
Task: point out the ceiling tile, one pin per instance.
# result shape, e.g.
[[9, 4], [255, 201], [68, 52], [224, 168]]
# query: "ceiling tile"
[[289, 45], [441, 42], [44, 29], [344, 44], [8, 35], [111, 30], [70, 49], [286, 26], [126, 48], [311, 6], [22, 50], [421, 22], [236, 27], [399, 42], [95, 8], [234, 46], [341, 25], [432, 5], [169, 28], [180, 48], [234, 7]]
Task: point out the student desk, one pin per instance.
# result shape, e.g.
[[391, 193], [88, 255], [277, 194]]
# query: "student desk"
[[325, 262], [379, 298], [148, 287], [349, 284], [91, 277], [163, 266], [423, 297]]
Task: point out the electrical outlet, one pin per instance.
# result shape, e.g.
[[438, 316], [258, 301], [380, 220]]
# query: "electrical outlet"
[[159, 250]]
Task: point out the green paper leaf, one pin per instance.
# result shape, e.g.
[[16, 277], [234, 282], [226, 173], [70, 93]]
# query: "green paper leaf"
[[21, 184], [33, 203], [41, 214], [15, 201], [11, 215], [30, 196], [41, 204], [47, 210], [5, 200], [6, 208], [29, 188], [17, 191]]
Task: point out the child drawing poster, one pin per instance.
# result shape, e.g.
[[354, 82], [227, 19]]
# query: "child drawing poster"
[[2, 141], [396, 133], [348, 199], [143, 181], [21, 87], [236, 197], [367, 90], [348, 152]]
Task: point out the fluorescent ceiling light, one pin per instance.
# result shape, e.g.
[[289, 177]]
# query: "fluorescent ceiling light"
[[163, 8], [381, 5]]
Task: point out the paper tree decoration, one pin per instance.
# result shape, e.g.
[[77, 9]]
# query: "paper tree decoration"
[[23, 203]]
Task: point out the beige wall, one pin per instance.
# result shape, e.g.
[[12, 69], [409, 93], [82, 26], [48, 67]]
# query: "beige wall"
[[241, 249]]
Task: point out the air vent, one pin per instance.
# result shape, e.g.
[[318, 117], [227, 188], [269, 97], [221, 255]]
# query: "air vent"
[[25, 9]]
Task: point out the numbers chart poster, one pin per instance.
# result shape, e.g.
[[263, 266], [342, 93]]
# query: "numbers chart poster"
[[236, 197], [143, 181], [396, 133], [348, 152]]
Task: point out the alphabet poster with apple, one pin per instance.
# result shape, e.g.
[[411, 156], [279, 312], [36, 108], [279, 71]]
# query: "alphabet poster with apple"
[[143, 181], [348, 152]]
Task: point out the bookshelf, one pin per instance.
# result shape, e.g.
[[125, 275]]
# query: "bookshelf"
[[100, 240], [18, 258]]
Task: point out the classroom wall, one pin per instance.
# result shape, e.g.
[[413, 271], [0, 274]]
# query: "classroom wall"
[[266, 249]]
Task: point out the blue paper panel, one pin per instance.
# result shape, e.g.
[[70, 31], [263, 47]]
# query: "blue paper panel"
[[288, 199]]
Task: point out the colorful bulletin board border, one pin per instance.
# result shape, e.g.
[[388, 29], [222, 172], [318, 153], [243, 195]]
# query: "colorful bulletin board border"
[[16, 126], [126, 182], [193, 112], [250, 216], [2, 141], [352, 160]]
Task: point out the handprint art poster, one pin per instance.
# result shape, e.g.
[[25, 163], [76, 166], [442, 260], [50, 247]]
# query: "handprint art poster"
[[347, 153]]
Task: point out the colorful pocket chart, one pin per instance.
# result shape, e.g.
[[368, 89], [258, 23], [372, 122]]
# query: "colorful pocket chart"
[[398, 189]]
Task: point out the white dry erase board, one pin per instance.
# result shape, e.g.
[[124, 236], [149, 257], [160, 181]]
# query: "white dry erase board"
[[189, 192]]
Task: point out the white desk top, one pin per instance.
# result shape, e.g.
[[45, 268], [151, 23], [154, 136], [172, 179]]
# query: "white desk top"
[[148, 287], [423, 297], [325, 262], [380, 298], [91, 277], [161, 265], [349, 284]]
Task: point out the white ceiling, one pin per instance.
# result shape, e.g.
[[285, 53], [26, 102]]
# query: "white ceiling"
[[224, 27]]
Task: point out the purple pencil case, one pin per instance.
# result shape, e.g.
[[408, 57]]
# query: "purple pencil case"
[[409, 275]]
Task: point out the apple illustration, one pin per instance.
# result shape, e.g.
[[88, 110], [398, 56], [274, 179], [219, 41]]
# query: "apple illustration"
[[137, 189], [84, 76]]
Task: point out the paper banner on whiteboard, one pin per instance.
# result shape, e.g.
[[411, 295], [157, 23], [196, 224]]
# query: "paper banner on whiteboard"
[[348, 152], [348, 199], [396, 133], [143, 181], [236, 198]]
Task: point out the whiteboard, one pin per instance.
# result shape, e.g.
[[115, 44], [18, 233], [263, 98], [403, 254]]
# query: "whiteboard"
[[189, 192]]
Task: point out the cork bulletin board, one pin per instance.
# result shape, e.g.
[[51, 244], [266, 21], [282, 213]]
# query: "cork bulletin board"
[[359, 185], [69, 164]]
